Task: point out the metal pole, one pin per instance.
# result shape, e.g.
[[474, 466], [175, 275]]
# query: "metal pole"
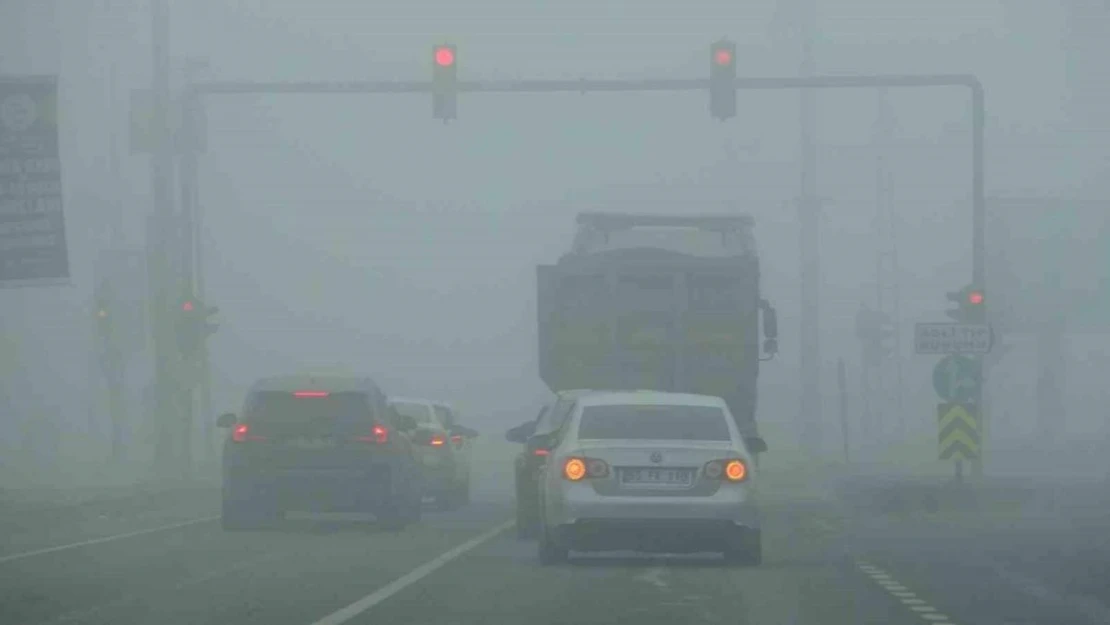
[[193, 261], [163, 280], [809, 218], [979, 250], [842, 382]]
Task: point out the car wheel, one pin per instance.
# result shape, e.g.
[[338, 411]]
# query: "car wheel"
[[400, 510], [395, 516], [246, 505], [447, 499], [747, 551], [550, 551], [464, 493]]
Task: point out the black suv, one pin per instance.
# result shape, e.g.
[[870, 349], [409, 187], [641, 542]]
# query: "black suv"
[[318, 444]]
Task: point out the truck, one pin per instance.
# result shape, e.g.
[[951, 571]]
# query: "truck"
[[659, 302]]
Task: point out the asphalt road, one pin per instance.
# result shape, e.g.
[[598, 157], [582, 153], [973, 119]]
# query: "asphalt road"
[[825, 564]]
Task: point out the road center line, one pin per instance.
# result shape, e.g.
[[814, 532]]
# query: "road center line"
[[106, 539], [345, 614]]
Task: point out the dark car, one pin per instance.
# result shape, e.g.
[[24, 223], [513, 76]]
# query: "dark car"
[[319, 444], [527, 464]]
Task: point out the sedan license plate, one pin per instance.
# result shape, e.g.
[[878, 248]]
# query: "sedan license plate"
[[313, 443], [657, 477]]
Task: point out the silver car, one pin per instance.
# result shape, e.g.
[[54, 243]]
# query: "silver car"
[[652, 472]]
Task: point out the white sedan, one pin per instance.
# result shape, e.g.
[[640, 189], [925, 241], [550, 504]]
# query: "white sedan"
[[652, 472]]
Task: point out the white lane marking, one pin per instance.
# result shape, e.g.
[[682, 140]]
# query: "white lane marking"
[[345, 614], [918, 606], [106, 539]]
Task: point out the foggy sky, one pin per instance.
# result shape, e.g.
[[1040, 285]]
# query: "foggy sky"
[[357, 232]]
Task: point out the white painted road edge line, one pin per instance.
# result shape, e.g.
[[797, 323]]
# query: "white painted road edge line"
[[106, 539], [345, 614], [917, 606]]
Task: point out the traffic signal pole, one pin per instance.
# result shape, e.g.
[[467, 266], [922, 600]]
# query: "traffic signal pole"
[[161, 243], [584, 85]]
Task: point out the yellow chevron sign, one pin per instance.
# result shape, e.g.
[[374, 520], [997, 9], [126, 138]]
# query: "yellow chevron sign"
[[958, 431]]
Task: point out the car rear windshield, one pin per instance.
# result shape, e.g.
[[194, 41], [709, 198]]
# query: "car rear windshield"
[[639, 422], [421, 413], [316, 410]]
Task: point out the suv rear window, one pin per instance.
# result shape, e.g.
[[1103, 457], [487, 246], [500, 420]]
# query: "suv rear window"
[[639, 422], [421, 413], [282, 411]]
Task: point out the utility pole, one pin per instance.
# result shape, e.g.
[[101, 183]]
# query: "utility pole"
[[169, 459], [192, 248], [809, 219]]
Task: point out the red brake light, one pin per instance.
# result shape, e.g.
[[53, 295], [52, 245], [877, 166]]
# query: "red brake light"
[[187, 306], [541, 452], [379, 435], [445, 57], [437, 441], [722, 57], [241, 433], [310, 394], [457, 439]]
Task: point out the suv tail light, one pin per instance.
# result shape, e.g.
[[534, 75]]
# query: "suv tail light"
[[241, 433], [576, 469], [437, 441], [379, 435], [457, 439], [731, 470]]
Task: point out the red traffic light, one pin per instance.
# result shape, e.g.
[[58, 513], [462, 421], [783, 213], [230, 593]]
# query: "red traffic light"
[[444, 56], [975, 298], [722, 56], [187, 307]]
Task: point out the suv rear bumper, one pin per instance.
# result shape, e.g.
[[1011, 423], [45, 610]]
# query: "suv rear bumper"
[[368, 489]]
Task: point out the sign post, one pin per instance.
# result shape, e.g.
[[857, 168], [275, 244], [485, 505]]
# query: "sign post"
[[33, 249]]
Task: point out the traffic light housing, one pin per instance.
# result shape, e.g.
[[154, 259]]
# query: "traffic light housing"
[[194, 325], [444, 81], [970, 305], [722, 80]]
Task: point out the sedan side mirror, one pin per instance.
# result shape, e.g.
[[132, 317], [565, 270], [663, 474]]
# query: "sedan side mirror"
[[225, 420], [755, 444], [771, 346]]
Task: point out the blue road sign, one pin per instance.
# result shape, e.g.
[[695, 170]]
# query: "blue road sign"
[[957, 378]]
